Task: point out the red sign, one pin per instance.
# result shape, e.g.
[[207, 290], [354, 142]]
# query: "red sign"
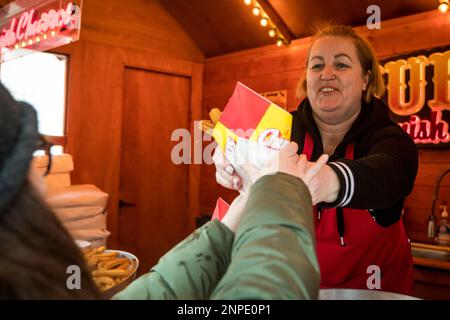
[[37, 25], [426, 131]]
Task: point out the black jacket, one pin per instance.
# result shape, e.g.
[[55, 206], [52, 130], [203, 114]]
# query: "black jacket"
[[385, 161]]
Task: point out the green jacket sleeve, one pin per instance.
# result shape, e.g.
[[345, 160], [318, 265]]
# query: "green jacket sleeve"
[[273, 255], [190, 270]]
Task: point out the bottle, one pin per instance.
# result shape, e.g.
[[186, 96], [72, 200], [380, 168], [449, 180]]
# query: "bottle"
[[443, 226], [431, 227], [444, 217]]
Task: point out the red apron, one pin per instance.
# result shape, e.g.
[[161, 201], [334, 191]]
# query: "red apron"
[[366, 244]]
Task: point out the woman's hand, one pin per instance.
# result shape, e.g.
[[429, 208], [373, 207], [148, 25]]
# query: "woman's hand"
[[225, 174], [324, 186]]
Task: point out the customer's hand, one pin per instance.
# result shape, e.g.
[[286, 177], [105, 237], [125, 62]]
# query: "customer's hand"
[[287, 161], [235, 212], [225, 173]]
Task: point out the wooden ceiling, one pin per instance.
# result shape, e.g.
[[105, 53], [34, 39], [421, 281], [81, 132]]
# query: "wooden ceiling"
[[224, 26], [5, 2]]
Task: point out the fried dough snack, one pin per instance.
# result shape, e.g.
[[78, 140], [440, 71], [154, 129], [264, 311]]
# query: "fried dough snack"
[[208, 125], [108, 269]]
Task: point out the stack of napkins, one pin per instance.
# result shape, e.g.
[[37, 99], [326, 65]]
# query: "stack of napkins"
[[80, 208]]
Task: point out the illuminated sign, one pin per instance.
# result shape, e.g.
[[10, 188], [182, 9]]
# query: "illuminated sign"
[[37, 25], [418, 95], [433, 131]]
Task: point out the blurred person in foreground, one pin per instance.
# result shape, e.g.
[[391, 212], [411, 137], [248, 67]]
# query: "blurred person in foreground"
[[35, 249]]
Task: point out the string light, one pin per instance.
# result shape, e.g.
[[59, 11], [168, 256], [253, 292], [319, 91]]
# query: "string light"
[[280, 42], [264, 22], [272, 33], [443, 6]]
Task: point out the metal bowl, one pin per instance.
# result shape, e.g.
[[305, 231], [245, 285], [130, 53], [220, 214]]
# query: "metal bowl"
[[360, 294], [108, 294]]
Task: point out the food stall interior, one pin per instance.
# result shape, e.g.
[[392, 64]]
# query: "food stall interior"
[[141, 70]]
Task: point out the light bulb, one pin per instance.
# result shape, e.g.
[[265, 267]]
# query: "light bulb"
[[256, 11], [279, 42], [272, 33], [264, 22], [248, 2], [443, 7]]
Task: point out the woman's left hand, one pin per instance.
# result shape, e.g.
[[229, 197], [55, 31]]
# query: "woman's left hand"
[[324, 186]]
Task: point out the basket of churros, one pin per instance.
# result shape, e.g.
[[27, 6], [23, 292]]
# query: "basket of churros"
[[112, 270]]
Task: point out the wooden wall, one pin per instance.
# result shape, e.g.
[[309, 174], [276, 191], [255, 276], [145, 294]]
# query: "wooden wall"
[[272, 68], [116, 34]]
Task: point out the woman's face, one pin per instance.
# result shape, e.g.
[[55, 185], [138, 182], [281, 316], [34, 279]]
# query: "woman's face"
[[334, 79]]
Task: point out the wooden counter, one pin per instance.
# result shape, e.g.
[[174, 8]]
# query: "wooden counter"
[[431, 276], [432, 263]]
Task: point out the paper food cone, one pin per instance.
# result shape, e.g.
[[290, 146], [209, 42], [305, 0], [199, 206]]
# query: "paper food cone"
[[220, 210]]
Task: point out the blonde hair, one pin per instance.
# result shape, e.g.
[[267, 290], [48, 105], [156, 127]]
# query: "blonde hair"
[[366, 56]]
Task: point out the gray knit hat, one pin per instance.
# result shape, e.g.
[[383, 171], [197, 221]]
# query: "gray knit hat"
[[18, 140]]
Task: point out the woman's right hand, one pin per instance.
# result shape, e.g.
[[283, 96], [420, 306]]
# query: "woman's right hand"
[[226, 176]]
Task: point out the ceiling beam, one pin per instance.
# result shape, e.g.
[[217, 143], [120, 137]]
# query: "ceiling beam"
[[277, 20], [5, 2]]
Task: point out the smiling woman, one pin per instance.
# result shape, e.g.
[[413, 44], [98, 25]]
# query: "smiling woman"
[[359, 194], [373, 164], [354, 49], [335, 81]]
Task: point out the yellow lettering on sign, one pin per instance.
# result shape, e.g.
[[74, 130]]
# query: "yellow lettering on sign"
[[441, 80], [396, 86]]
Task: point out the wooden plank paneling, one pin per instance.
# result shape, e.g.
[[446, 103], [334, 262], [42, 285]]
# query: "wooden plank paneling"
[[274, 81], [137, 25], [257, 62], [434, 156], [429, 172], [421, 197], [219, 26]]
